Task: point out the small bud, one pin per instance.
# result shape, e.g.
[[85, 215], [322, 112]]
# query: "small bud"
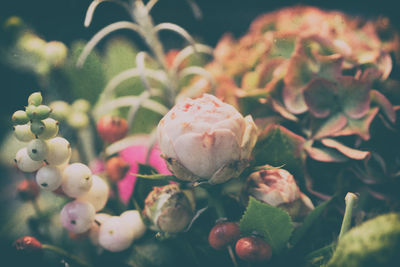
[[50, 130], [28, 243], [60, 110], [37, 127], [35, 99], [168, 208], [81, 105], [277, 187], [28, 190], [112, 128], [253, 249], [78, 120], [116, 168], [223, 235], [55, 53], [42, 112], [20, 117]]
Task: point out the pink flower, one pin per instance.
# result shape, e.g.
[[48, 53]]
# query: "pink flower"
[[137, 154]]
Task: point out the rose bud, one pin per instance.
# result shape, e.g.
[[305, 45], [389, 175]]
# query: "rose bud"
[[253, 249], [112, 128], [168, 209], [116, 168], [27, 243], [206, 139], [223, 235], [28, 190], [277, 187]]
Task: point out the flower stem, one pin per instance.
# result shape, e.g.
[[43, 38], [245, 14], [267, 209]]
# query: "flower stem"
[[37, 209], [215, 201], [86, 138], [66, 254], [232, 255], [351, 201]]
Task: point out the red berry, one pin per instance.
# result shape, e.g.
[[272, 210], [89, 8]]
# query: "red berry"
[[28, 190], [116, 168], [223, 234], [253, 249], [112, 128], [27, 243]]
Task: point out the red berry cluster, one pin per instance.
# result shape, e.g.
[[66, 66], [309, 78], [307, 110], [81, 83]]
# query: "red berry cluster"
[[248, 248]]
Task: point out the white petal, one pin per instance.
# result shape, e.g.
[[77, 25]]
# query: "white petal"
[[204, 154]]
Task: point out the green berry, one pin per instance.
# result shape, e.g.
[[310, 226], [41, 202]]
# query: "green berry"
[[373, 243], [37, 150], [60, 110], [35, 99], [42, 112], [23, 132], [37, 127], [81, 105], [50, 130], [78, 120], [20, 117], [31, 112]]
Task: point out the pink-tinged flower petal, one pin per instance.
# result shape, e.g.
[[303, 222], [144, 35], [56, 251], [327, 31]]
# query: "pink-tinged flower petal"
[[294, 100], [385, 64], [331, 125], [320, 97], [134, 155], [349, 152], [324, 154], [385, 105], [157, 161], [97, 166], [204, 154], [359, 127], [354, 95]]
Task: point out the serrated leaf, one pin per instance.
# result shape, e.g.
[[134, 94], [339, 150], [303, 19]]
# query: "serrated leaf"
[[273, 223], [278, 146], [308, 222]]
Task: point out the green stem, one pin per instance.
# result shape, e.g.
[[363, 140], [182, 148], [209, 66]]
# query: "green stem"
[[66, 254], [232, 255], [215, 201], [86, 138], [351, 201], [37, 209]]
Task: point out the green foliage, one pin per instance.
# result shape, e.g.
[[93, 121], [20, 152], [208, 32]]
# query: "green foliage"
[[86, 82], [273, 223]]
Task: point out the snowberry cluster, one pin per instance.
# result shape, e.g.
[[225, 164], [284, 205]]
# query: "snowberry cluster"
[[248, 248], [49, 157]]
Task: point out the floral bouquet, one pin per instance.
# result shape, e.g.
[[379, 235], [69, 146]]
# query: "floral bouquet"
[[276, 149]]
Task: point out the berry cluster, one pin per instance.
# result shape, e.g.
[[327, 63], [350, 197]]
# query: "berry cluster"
[[49, 156], [75, 114], [248, 248]]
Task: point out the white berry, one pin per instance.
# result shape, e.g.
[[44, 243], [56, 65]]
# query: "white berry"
[[37, 149], [49, 178], [23, 132], [134, 220], [100, 218], [77, 180], [77, 216], [59, 151], [115, 235], [25, 163], [98, 193]]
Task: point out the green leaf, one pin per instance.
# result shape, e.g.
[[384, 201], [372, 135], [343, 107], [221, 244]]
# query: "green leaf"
[[278, 146], [308, 222], [120, 55], [273, 223], [86, 82]]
